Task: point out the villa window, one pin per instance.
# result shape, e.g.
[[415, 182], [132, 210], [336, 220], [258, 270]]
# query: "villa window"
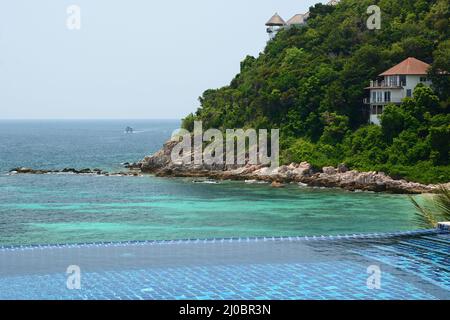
[[379, 109], [374, 96], [379, 96], [423, 79], [373, 110], [392, 80], [409, 93], [387, 96], [403, 81]]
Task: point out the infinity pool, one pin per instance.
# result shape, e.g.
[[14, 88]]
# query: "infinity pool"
[[411, 265]]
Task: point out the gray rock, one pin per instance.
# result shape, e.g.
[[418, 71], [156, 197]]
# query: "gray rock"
[[342, 168], [329, 170]]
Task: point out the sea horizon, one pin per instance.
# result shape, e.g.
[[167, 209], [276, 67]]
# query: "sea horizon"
[[93, 119]]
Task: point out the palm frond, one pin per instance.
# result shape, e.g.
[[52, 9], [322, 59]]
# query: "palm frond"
[[424, 216], [433, 210], [442, 203]]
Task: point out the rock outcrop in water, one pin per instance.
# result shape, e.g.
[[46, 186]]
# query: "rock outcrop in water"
[[341, 177], [86, 171]]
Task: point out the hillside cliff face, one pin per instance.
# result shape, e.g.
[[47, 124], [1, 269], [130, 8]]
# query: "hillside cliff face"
[[309, 82]]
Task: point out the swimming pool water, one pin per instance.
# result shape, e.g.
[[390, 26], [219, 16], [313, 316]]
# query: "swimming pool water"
[[413, 266]]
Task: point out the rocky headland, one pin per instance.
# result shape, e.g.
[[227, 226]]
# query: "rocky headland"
[[160, 164]]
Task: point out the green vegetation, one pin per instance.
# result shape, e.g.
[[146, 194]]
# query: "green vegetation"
[[434, 209], [310, 81]]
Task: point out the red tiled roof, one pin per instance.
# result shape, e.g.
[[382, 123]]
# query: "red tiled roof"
[[410, 66]]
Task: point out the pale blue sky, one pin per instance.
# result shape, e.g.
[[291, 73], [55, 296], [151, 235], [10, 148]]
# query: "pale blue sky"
[[131, 59]]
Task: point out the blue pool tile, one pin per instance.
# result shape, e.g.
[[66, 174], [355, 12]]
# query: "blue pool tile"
[[320, 269]]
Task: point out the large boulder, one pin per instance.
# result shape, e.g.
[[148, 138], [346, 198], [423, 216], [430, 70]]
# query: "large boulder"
[[329, 170], [160, 159]]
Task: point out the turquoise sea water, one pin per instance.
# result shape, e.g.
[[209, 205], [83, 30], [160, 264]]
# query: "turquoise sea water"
[[71, 208]]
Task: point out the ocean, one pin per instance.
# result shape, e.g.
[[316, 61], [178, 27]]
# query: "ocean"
[[49, 209]]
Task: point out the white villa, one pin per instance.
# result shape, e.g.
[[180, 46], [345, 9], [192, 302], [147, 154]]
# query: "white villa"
[[394, 85]]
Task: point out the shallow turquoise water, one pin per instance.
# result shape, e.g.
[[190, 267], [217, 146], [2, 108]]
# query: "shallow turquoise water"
[[71, 208], [60, 209]]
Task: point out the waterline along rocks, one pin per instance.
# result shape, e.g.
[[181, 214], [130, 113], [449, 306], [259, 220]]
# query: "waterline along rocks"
[[160, 164], [85, 171]]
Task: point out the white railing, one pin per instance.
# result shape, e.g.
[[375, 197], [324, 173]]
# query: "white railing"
[[383, 84]]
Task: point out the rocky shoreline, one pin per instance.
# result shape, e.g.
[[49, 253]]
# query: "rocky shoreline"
[[160, 164]]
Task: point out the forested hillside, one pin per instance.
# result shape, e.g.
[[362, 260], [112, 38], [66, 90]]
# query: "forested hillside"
[[309, 82]]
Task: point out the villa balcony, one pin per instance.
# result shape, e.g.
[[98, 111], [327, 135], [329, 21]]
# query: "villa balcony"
[[369, 101], [383, 84]]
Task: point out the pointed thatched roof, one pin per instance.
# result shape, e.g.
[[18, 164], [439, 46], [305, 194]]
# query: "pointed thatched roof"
[[333, 2], [276, 20], [297, 19]]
